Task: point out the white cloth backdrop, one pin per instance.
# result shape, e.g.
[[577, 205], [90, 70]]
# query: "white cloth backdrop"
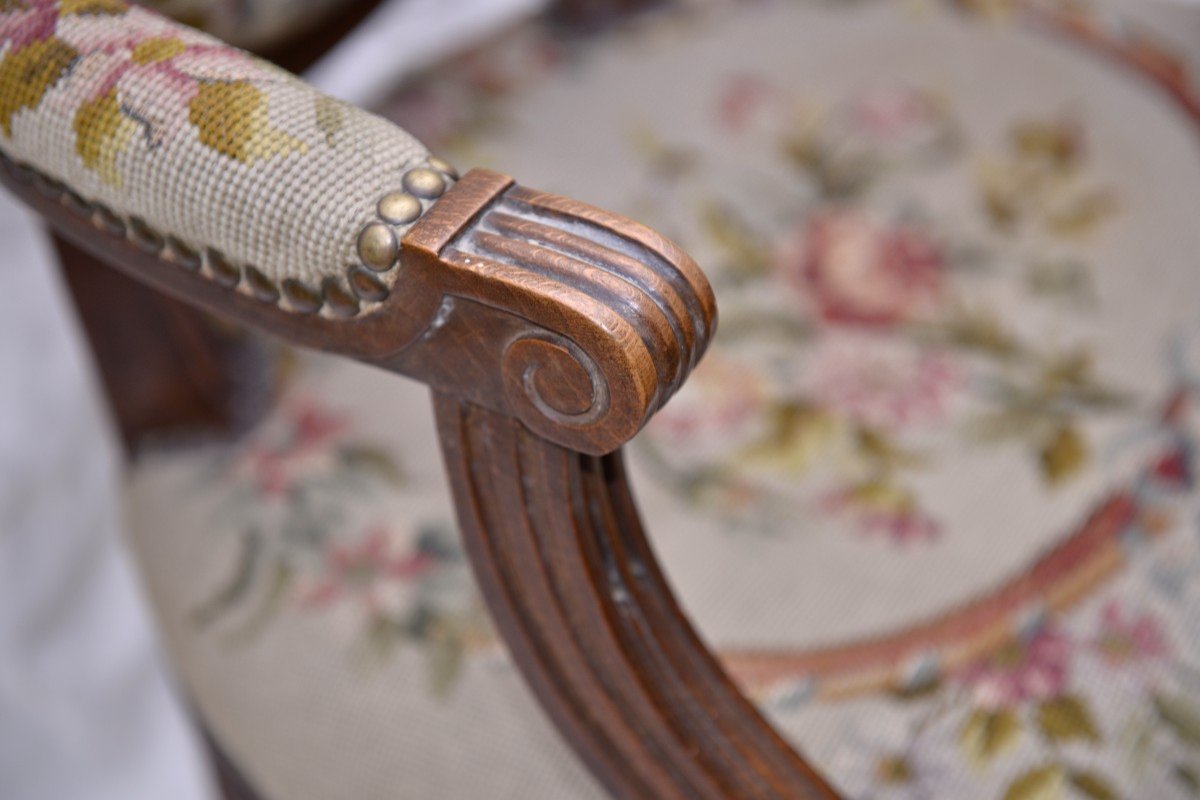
[[85, 706]]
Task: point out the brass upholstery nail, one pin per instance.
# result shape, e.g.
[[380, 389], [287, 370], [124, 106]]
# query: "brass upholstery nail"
[[109, 221], [181, 254], [337, 299], [377, 246], [424, 183], [77, 204], [399, 208], [20, 172], [145, 237], [300, 297], [48, 186], [443, 166], [223, 272], [261, 286], [366, 285]]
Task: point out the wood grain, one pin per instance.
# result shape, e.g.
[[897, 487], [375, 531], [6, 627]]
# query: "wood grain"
[[607, 308], [574, 588]]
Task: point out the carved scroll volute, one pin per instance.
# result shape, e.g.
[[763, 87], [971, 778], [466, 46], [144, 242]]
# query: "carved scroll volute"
[[587, 321]]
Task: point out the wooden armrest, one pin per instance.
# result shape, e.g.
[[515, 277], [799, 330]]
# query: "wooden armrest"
[[550, 332], [577, 322]]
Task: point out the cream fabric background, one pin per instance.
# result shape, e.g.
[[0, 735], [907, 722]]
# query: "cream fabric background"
[[484, 737]]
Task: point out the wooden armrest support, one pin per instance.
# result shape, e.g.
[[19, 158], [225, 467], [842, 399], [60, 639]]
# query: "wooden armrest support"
[[578, 322], [574, 588], [550, 332]]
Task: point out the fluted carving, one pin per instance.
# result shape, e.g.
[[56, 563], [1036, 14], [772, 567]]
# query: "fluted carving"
[[607, 317]]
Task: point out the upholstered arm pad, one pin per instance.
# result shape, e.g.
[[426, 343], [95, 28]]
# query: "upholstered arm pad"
[[233, 185], [206, 154]]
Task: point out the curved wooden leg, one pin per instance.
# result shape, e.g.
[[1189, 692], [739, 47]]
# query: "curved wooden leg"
[[573, 585]]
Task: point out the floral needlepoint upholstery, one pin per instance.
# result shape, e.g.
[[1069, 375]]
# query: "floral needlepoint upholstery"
[[931, 495], [188, 139]]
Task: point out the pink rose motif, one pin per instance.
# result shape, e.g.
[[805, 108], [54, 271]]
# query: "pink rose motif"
[[29, 22], [721, 398], [881, 383], [1029, 668], [881, 509], [364, 570], [891, 113], [155, 68], [741, 98], [1173, 469], [1125, 638], [274, 463], [313, 427], [496, 72], [857, 272]]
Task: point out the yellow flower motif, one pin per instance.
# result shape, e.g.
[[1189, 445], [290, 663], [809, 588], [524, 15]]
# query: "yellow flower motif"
[[987, 734], [102, 132], [231, 118], [28, 73], [114, 7], [152, 51], [894, 771]]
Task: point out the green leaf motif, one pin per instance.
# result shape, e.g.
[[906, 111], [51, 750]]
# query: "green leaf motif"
[[1043, 783], [1181, 717], [1064, 455], [1187, 777], [239, 585], [742, 246], [797, 436], [989, 733], [1093, 786], [1067, 718], [921, 690], [266, 609], [373, 460], [446, 654]]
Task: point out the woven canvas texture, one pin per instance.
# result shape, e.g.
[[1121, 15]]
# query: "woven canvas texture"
[[202, 141]]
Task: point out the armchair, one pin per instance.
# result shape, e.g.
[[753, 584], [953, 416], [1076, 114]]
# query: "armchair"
[[549, 330], [550, 333]]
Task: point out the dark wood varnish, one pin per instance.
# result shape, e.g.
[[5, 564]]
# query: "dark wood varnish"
[[572, 583], [165, 367]]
